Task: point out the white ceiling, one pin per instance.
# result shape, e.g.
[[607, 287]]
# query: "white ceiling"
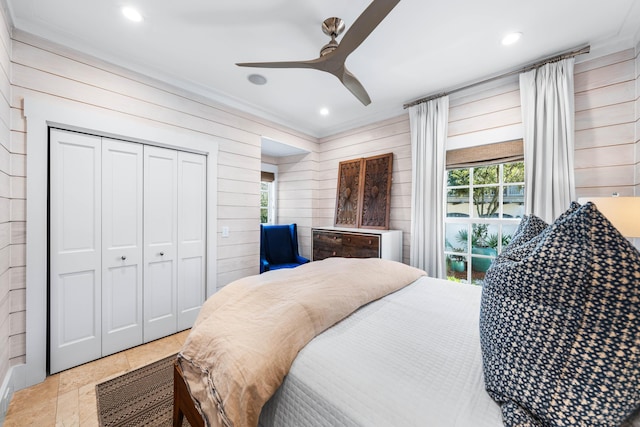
[[422, 47]]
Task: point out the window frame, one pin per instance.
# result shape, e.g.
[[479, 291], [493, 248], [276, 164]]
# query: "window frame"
[[499, 222], [272, 193]]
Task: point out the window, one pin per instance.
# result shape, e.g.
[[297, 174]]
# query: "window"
[[485, 202], [267, 198]]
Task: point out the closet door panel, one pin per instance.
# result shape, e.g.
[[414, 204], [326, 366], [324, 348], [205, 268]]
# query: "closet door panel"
[[75, 249], [122, 173], [160, 237], [191, 236], [159, 300]]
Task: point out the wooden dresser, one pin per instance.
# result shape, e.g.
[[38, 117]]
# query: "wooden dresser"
[[355, 243]]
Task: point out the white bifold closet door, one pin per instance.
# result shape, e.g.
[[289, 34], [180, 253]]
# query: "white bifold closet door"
[[174, 240], [75, 249], [122, 167], [160, 242], [192, 198], [127, 245]]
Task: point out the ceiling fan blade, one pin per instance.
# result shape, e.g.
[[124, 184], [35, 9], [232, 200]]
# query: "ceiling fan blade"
[[355, 87], [282, 64], [364, 25]]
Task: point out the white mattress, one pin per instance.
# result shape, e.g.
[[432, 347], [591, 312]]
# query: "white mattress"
[[410, 359]]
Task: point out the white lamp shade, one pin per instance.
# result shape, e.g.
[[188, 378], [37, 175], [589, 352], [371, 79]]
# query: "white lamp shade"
[[623, 212]]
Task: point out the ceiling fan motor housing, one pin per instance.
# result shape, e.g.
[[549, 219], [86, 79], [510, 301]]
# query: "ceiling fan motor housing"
[[332, 27]]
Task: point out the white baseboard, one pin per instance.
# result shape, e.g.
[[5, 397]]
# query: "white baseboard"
[[13, 381], [6, 392]]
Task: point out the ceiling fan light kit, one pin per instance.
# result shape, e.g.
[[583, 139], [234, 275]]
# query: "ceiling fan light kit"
[[333, 55]]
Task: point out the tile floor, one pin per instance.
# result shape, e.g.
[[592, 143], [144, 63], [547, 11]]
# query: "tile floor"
[[69, 397]]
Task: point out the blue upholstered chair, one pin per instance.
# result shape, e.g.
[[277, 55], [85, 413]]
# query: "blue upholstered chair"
[[279, 247]]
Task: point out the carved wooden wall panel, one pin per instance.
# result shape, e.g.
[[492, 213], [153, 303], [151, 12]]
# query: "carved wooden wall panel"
[[376, 192], [348, 199], [363, 194]]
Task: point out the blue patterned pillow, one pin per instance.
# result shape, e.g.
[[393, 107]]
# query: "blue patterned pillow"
[[560, 328], [529, 234], [530, 227]]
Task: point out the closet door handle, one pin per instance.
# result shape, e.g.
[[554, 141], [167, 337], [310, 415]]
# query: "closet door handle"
[[123, 257]]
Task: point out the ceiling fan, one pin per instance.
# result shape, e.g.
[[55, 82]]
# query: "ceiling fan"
[[333, 54]]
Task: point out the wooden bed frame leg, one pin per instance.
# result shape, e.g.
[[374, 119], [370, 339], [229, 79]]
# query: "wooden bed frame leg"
[[182, 403]]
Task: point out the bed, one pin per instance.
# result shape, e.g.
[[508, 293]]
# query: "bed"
[[411, 357], [540, 344]]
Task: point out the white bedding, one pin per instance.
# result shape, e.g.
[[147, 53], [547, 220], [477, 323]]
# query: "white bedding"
[[410, 359]]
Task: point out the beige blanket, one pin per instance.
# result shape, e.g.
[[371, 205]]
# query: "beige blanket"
[[248, 334]]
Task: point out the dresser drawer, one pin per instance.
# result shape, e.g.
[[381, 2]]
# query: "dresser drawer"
[[361, 240], [344, 244], [327, 238], [326, 244], [356, 252], [360, 246]]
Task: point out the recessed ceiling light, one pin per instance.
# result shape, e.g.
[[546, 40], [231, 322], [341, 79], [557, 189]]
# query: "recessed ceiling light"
[[131, 14], [511, 38], [257, 79], [324, 111]]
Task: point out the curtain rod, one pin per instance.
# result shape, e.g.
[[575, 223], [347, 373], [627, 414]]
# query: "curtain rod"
[[570, 54]]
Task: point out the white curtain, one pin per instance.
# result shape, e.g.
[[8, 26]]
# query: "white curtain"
[[429, 121], [547, 97]]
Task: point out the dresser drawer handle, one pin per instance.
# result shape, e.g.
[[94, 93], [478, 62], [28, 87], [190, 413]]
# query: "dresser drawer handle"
[[369, 241], [334, 253]]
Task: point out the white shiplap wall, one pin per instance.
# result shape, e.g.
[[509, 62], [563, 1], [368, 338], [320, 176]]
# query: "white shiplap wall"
[[605, 125], [11, 315], [484, 109], [387, 136]]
